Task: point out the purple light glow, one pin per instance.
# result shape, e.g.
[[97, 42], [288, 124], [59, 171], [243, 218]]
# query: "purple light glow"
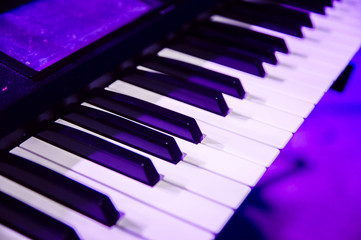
[[313, 189], [45, 31]]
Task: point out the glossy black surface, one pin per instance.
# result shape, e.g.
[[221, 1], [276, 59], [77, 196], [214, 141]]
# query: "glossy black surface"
[[59, 188], [211, 52], [242, 35], [32, 223], [126, 132], [194, 94], [309, 5], [198, 75], [101, 152], [251, 49], [150, 114], [271, 17]]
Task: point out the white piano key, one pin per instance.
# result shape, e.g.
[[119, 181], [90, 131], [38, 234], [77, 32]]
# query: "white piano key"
[[232, 143], [140, 218], [271, 116], [339, 38], [295, 61], [344, 10], [222, 163], [240, 146], [85, 227], [194, 178], [264, 95], [246, 127], [165, 196], [279, 101], [338, 25], [305, 79], [9, 234]]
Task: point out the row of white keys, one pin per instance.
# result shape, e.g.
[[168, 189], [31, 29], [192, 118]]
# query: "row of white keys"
[[288, 81], [139, 218], [85, 227], [320, 70], [167, 197], [247, 127], [254, 92], [279, 85], [188, 175], [315, 50], [232, 143], [270, 97]]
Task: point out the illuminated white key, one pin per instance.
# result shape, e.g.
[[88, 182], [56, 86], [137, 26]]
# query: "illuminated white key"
[[9, 234], [248, 109]]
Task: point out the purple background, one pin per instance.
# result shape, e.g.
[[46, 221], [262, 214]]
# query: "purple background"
[[313, 189], [42, 32]]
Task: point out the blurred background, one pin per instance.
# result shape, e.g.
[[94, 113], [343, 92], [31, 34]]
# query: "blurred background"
[[313, 189]]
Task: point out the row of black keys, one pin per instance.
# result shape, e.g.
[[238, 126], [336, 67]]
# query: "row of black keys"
[[244, 50]]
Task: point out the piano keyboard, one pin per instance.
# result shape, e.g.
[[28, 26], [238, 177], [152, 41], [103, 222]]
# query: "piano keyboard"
[[176, 156]]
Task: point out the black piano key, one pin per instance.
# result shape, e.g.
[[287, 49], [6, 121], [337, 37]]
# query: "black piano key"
[[244, 63], [59, 188], [309, 5], [101, 152], [126, 132], [32, 223], [198, 75], [233, 47], [193, 94], [277, 12], [149, 114], [242, 35], [252, 14]]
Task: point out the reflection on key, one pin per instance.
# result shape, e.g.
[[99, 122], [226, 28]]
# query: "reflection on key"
[[198, 75], [127, 132], [31, 222], [59, 188], [243, 35], [201, 49], [314, 6], [277, 13], [190, 93], [101, 152], [152, 115], [265, 54], [253, 14]]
